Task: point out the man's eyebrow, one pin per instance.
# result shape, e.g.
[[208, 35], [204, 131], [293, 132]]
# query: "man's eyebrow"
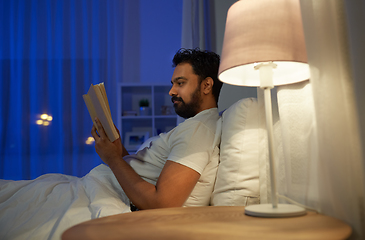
[[177, 79]]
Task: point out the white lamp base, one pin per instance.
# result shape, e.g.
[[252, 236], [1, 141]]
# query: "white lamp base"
[[267, 210]]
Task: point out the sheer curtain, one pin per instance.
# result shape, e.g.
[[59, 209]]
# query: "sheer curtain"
[[340, 163], [198, 25], [320, 159], [50, 53]]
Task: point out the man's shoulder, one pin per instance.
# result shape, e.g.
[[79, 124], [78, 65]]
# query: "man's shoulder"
[[208, 114], [207, 118]]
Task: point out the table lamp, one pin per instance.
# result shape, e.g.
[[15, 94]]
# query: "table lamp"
[[264, 47]]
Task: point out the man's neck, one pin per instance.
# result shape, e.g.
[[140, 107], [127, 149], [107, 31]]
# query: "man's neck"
[[208, 104]]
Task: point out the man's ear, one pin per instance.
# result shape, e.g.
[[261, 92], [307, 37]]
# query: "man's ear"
[[207, 85]]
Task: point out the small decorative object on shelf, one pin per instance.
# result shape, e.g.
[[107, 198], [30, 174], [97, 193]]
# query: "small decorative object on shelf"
[[167, 110], [133, 140], [144, 109]]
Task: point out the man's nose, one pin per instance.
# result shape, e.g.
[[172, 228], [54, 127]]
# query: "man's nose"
[[172, 91]]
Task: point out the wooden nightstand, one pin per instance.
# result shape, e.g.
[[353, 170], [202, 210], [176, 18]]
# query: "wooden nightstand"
[[207, 223]]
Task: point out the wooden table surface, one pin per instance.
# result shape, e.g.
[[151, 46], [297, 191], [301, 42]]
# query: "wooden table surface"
[[207, 223]]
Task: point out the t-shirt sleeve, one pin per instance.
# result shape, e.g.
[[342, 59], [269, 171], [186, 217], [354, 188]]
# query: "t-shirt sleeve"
[[191, 145]]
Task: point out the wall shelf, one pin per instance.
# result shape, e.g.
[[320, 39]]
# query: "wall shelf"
[[161, 116]]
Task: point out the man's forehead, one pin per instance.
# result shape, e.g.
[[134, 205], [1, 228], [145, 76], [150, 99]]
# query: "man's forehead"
[[182, 71]]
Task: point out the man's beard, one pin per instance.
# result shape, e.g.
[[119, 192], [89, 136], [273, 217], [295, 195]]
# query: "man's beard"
[[188, 110]]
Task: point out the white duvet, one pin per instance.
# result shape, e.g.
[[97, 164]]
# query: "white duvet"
[[45, 207]]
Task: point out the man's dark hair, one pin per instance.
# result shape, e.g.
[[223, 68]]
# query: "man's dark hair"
[[205, 64]]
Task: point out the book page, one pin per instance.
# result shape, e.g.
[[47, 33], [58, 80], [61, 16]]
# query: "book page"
[[103, 93], [90, 108], [99, 93], [96, 103]]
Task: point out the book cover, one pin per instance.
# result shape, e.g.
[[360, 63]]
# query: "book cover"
[[97, 104]]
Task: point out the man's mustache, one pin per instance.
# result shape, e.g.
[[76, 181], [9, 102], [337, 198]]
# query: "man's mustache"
[[177, 99]]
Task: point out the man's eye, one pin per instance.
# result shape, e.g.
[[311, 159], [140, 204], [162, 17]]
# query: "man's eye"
[[180, 83]]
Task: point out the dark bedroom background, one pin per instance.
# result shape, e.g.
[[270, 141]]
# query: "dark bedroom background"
[[50, 53]]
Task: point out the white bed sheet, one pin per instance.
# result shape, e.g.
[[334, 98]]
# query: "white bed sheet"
[[45, 207]]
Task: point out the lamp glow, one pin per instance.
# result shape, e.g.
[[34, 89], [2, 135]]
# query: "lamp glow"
[[264, 47]]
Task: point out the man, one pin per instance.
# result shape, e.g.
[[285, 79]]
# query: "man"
[[177, 168], [165, 173]]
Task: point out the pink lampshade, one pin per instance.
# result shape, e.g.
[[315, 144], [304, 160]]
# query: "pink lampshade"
[[263, 31]]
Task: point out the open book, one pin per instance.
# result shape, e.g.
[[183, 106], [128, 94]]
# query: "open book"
[[98, 106]]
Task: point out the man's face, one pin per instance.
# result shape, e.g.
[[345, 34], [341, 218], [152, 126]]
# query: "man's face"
[[185, 91]]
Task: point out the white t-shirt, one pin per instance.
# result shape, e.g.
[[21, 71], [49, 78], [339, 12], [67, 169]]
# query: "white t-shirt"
[[193, 143]]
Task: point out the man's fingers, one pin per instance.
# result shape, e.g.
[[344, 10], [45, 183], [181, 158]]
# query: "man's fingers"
[[94, 133], [101, 131], [117, 130]]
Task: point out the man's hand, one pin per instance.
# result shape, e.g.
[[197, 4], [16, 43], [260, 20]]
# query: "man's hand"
[[108, 151]]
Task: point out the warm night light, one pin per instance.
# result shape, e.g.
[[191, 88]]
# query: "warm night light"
[[45, 120], [89, 140]]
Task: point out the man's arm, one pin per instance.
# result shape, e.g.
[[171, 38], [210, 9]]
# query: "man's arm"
[[173, 186]]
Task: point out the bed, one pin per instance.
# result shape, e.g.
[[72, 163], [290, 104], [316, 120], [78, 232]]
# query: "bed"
[[45, 207]]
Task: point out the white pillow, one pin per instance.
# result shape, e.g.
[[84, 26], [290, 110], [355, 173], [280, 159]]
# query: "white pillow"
[[237, 182]]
